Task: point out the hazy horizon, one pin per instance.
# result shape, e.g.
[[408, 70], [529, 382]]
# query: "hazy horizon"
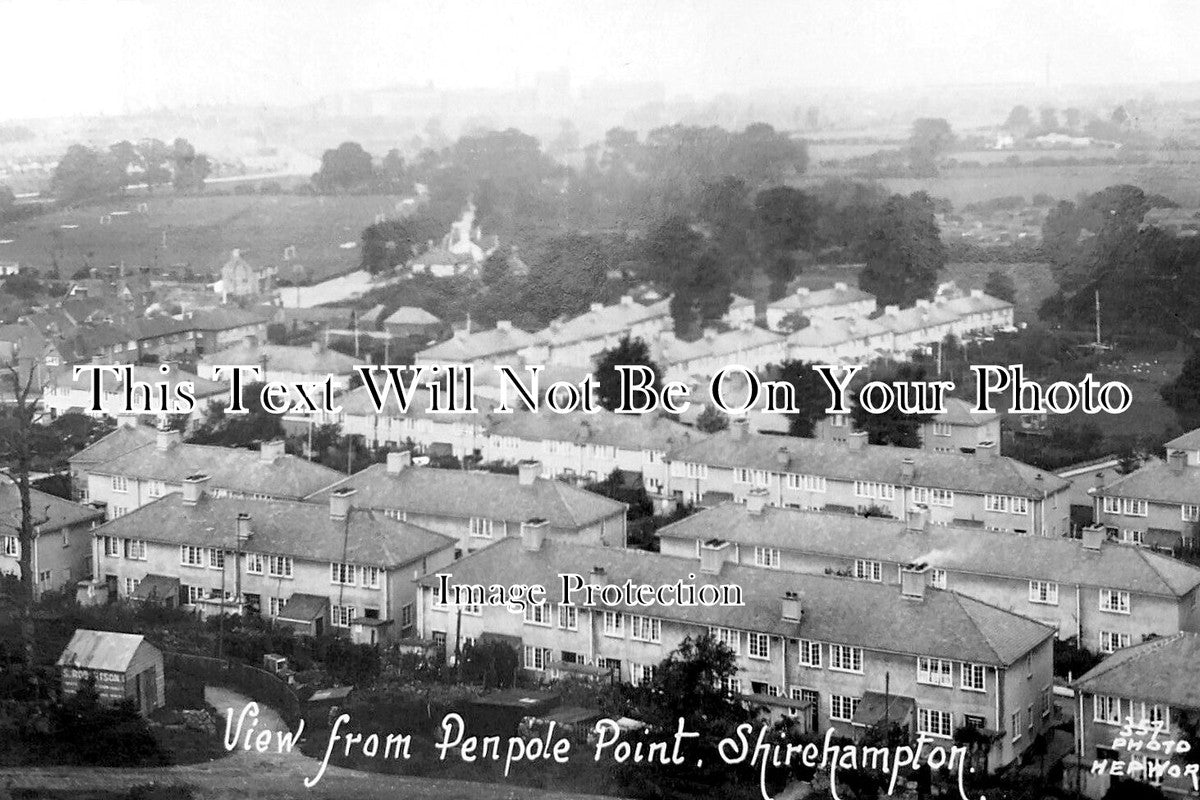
[[126, 55]]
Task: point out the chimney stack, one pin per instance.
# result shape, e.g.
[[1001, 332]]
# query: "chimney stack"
[[193, 489], [1177, 460], [783, 457], [741, 429], [1094, 537], [528, 472], [317, 347], [985, 450], [913, 578], [626, 300], [756, 500], [504, 325], [792, 609], [713, 554], [167, 438], [398, 462], [533, 533], [857, 440], [841, 286], [596, 307], [918, 519], [803, 291], [908, 471], [244, 529], [340, 503], [129, 420], [270, 451]]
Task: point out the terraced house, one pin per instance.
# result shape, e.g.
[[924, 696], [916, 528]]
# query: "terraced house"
[[459, 435], [981, 489], [1102, 594], [130, 479], [1157, 505], [347, 570], [577, 341], [478, 508], [822, 648]]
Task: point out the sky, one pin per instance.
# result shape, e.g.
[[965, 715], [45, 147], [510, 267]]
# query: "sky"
[[107, 56]]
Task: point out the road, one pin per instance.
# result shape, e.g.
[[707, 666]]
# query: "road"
[[270, 775]]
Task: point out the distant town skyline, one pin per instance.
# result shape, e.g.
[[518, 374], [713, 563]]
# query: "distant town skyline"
[[111, 56]]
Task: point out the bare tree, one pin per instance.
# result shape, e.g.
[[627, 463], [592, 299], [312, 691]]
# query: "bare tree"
[[16, 448]]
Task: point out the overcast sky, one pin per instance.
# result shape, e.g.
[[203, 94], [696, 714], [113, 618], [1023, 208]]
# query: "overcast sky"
[[106, 55]]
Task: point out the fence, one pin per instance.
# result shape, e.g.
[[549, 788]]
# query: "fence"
[[251, 681]]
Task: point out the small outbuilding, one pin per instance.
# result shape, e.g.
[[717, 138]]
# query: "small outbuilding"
[[124, 665]]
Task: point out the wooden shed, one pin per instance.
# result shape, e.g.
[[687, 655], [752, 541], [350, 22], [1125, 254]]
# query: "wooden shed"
[[124, 665]]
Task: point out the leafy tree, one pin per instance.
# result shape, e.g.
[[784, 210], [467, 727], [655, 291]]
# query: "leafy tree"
[[393, 172], [346, 167], [892, 427], [568, 274], [1000, 285], [156, 159], [904, 252], [240, 430], [124, 156], [930, 138], [1019, 119], [84, 174], [1049, 119], [393, 242], [1073, 117], [630, 352], [1120, 116], [1183, 393], [1060, 232], [712, 420], [699, 282], [785, 220], [846, 213], [8, 201], [191, 168], [812, 397]]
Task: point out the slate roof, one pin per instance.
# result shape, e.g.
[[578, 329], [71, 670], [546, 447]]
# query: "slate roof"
[[112, 383], [464, 348], [1164, 670], [104, 651], [872, 616], [626, 431], [823, 332], [125, 439], [675, 351], [411, 315], [958, 549], [971, 473], [958, 412], [286, 358], [1157, 482], [50, 513], [1187, 441], [834, 296], [232, 468], [605, 321], [455, 493], [281, 527]]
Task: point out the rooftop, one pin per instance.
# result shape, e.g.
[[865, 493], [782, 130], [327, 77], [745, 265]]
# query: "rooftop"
[[1157, 481], [804, 299], [280, 527], [305, 360], [411, 315], [50, 513], [603, 321], [455, 493], [104, 651], [464, 347], [958, 549], [972, 473], [872, 616], [1160, 670], [624, 431]]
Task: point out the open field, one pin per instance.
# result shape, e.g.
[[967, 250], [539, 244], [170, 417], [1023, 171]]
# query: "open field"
[[198, 233]]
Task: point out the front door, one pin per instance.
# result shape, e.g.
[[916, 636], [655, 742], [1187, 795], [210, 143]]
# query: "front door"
[[812, 697], [110, 583]]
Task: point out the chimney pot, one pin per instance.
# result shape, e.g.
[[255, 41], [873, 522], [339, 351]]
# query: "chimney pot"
[[270, 451], [1093, 537], [193, 488], [857, 440], [918, 518], [1178, 460], [533, 534], [985, 449], [167, 438], [783, 457], [398, 462], [244, 529], [528, 471], [756, 500], [908, 470], [340, 503], [713, 554], [913, 578], [792, 609]]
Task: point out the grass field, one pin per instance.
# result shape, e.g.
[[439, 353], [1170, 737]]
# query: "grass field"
[[199, 233]]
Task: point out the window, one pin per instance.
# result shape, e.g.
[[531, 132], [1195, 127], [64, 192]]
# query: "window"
[[935, 672], [120, 483], [1114, 601], [973, 721], [131, 585], [758, 645], [614, 624], [194, 594], [935, 723], [537, 614], [974, 677], [370, 577], [279, 566], [135, 549], [877, 491], [943, 429], [1106, 709], [1044, 592], [191, 556], [613, 664], [1016, 726], [698, 471], [806, 483], [1111, 642], [254, 564], [1133, 508], [341, 616], [732, 685], [406, 616], [941, 497], [342, 574], [1154, 712], [275, 606], [154, 488], [216, 558], [1130, 536], [810, 653], [568, 617], [481, 528], [868, 570], [645, 629], [728, 637], [937, 578], [641, 673], [1006, 504], [766, 557], [537, 658], [12, 546], [117, 511], [1112, 505], [1190, 513], [842, 707], [844, 658]]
